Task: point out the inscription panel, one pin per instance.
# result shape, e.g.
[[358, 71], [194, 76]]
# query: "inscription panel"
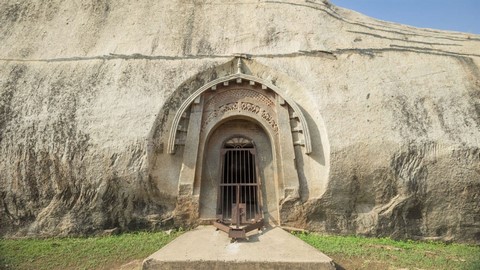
[[241, 102]]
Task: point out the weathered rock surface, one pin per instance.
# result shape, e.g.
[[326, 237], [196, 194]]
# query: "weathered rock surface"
[[84, 87]]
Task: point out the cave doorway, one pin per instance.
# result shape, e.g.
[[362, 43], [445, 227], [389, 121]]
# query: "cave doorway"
[[239, 197], [239, 202]]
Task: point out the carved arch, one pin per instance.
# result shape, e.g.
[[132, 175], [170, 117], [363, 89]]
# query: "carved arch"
[[225, 80]]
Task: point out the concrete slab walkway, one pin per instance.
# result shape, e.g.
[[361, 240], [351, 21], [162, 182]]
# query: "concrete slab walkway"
[[206, 248]]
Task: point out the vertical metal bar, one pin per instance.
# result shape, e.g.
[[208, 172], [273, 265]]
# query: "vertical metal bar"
[[259, 191], [224, 178], [244, 201], [239, 172], [247, 187], [232, 180], [225, 194], [247, 198], [250, 181], [238, 207], [220, 186], [241, 181], [257, 204], [257, 209], [241, 165], [229, 171], [235, 191], [234, 177], [237, 176], [254, 198]]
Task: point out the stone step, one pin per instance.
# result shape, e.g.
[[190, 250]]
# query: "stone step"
[[207, 248]]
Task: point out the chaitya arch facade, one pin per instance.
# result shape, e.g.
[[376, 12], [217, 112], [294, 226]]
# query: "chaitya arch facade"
[[230, 108]]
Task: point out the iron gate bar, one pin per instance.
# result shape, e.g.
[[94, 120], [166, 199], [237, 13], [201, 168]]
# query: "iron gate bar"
[[237, 206], [239, 201], [258, 191], [243, 185], [240, 180]]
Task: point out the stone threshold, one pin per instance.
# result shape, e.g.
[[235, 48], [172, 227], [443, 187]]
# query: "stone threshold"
[[207, 248]]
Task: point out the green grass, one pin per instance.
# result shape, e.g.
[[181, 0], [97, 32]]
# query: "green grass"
[[80, 253], [353, 252], [350, 252]]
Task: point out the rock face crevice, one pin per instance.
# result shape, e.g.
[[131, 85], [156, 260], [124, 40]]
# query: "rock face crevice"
[[87, 91], [417, 196]]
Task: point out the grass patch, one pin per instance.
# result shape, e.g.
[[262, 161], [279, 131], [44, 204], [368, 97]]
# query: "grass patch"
[[80, 253], [349, 252], [354, 252]]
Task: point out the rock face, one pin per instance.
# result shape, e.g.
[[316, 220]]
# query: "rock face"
[[88, 92]]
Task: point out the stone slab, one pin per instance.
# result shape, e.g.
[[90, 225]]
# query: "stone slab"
[[206, 248]]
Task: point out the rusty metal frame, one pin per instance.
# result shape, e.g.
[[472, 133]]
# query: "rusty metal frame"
[[240, 229], [239, 233]]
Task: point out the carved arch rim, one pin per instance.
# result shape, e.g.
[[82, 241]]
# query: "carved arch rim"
[[197, 93]]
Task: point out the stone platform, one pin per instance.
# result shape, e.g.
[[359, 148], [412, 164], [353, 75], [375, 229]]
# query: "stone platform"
[[206, 248]]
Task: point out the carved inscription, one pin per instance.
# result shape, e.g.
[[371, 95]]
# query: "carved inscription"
[[270, 120], [232, 106], [249, 107], [240, 106]]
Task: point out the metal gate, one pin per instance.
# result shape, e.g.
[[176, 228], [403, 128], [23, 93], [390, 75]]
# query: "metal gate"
[[239, 206]]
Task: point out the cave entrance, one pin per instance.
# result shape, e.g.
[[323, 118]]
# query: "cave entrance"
[[239, 205]]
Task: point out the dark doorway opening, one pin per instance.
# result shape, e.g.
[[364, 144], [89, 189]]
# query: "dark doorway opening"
[[239, 201]]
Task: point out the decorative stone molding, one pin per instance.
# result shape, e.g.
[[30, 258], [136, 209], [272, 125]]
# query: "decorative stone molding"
[[239, 78]]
